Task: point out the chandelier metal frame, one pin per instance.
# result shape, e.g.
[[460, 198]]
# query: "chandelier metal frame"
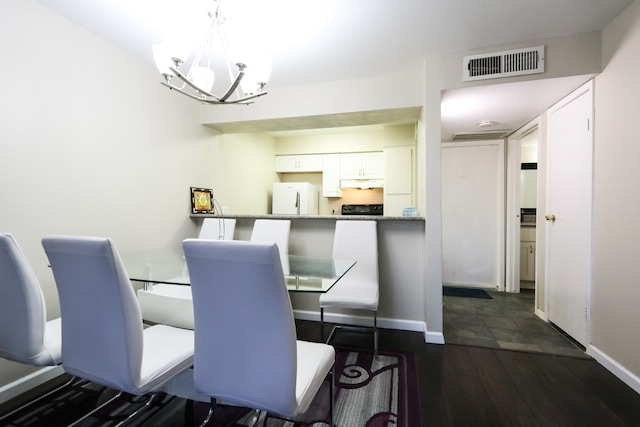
[[195, 91]]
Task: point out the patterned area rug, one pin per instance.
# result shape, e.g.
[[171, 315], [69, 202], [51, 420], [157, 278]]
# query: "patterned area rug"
[[370, 391]]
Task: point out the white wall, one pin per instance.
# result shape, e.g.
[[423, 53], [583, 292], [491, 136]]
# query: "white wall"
[[90, 142], [394, 91], [616, 277], [243, 170], [342, 141]]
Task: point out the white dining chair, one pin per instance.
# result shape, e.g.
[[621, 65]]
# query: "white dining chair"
[[246, 350], [217, 228], [25, 334], [103, 339], [277, 231], [359, 287]]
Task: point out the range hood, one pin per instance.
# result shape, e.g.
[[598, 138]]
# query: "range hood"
[[362, 184]]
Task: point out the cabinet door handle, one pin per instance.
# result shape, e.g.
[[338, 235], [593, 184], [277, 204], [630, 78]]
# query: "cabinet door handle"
[[530, 249]]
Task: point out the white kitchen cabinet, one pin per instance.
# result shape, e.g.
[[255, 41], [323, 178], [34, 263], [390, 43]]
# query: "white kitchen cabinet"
[[331, 175], [527, 253], [299, 163], [362, 165], [398, 180]]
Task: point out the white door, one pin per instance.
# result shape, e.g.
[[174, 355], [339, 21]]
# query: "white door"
[[473, 214], [569, 212]]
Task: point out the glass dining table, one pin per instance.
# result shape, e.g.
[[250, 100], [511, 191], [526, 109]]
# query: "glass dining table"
[[168, 266]]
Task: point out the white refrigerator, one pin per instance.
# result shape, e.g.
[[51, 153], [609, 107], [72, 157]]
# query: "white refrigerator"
[[294, 198]]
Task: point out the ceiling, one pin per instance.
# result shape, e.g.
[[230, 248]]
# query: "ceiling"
[[363, 38]]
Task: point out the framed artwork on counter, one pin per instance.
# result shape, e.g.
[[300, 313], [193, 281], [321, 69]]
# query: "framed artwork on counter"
[[202, 201]]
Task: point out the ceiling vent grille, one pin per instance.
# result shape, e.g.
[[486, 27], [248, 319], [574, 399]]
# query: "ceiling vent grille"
[[504, 64], [480, 136]]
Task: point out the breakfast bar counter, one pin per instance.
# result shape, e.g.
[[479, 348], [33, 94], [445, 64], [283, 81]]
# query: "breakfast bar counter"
[[315, 217], [401, 264]]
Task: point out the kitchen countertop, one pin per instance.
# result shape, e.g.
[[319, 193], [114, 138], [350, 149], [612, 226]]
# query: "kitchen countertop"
[[315, 217]]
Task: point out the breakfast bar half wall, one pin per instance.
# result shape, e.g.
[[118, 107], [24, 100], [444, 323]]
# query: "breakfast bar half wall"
[[401, 263]]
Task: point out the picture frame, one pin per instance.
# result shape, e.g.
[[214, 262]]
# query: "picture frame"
[[202, 201]]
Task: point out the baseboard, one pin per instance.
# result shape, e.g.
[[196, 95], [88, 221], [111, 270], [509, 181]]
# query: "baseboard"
[[433, 337], [615, 368], [347, 319], [26, 383]]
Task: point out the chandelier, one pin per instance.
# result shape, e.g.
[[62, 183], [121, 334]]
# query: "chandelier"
[[195, 79]]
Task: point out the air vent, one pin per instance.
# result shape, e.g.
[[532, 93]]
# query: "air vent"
[[480, 136], [504, 64]]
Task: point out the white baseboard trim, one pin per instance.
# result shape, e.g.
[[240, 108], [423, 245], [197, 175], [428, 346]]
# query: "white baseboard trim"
[[26, 383], [400, 324], [540, 314], [348, 319], [615, 368], [433, 337]]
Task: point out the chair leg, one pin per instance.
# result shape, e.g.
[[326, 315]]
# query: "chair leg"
[[331, 394], [209, 414], [44, 396], [354, 328], [95, 410], [157, 396], [375, 333]]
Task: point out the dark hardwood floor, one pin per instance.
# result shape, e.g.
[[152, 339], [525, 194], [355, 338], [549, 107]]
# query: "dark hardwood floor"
[[463, 385]]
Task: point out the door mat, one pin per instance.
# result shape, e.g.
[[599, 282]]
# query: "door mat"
[[454, 291]]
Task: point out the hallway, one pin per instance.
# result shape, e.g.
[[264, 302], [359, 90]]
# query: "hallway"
[[505, 322]]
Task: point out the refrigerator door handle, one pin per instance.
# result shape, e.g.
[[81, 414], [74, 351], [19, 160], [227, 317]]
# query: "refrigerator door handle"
[[298, 202]]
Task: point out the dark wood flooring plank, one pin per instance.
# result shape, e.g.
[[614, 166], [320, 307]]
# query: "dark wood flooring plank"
[[478, 387], [611, 392], [503, 391]]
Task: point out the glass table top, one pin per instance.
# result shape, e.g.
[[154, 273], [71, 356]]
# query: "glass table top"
[[306, 274]]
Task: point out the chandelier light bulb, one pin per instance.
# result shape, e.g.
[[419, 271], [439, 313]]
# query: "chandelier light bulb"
[[256, 75], [202, 77]]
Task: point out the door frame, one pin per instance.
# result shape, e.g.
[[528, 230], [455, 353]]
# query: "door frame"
[[514, 160]]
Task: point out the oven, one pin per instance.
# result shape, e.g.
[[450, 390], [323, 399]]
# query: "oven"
[[362, 209]]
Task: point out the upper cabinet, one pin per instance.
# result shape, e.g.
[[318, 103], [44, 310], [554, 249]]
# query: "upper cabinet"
[[331, 175], [299, 163], [398, 180], [362, 165]]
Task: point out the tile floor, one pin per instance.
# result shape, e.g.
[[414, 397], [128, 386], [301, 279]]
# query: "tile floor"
[[505, 322]]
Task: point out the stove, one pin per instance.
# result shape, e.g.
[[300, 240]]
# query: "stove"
[[362, 210]]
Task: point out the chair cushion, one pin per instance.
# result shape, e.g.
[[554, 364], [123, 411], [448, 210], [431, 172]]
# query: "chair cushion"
[[167, 351], [352, 295], [315, 361]]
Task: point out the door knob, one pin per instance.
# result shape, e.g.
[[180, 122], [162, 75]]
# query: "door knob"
[[551, 218]]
